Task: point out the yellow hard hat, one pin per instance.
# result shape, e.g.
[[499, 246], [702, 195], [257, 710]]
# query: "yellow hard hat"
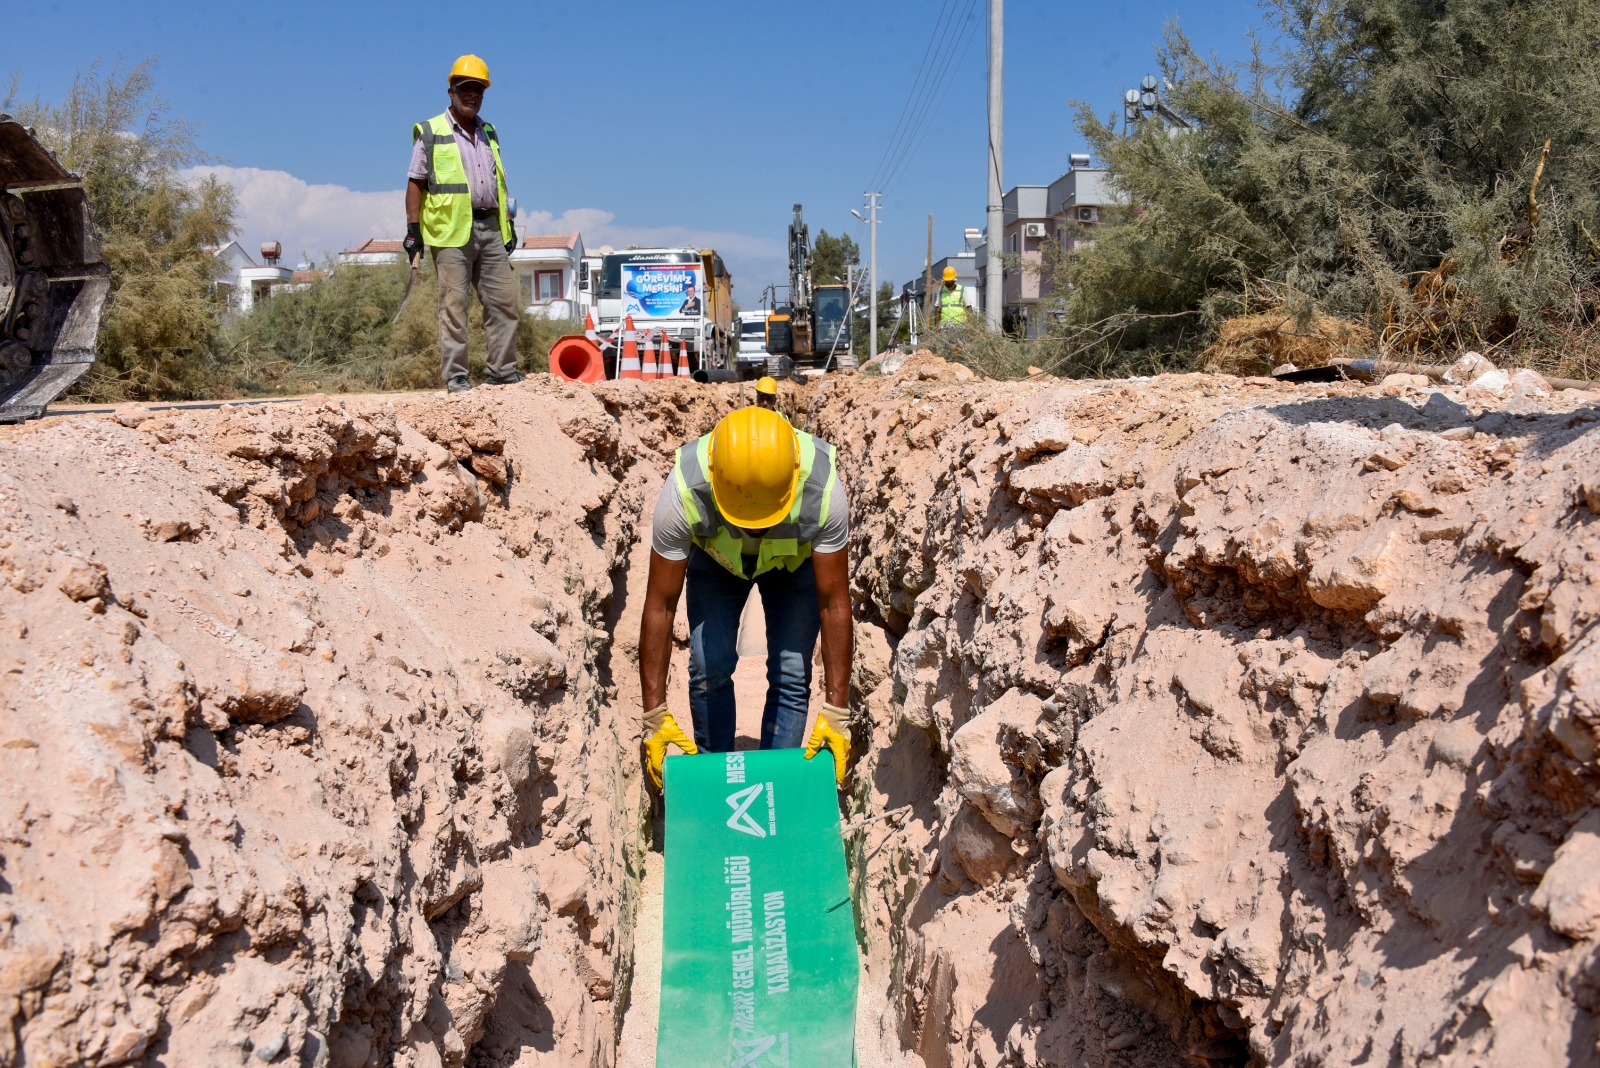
[[949, 274], [755, 467], [767, 385], [471, 67]]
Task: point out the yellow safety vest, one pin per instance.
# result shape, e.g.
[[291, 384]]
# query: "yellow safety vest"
[[447, 208], [786, 545], [952, 306]]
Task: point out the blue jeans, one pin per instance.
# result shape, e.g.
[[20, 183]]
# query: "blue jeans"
[[716, 600]]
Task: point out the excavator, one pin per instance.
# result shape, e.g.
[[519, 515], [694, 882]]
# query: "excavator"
[[809, 323], [53, 280]]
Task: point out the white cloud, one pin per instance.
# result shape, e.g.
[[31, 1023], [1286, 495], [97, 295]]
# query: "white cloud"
[[316, 222]]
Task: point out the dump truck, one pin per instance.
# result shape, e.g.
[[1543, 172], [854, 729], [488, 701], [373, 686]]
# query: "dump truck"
[[685, 291], [53, 280]]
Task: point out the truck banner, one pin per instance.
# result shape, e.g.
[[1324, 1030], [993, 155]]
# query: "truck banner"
[[759, 966], [662, 290]]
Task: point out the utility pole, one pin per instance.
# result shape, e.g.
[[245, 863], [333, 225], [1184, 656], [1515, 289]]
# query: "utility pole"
[[994, 284], [872, 221], [850, 288], [927, 275]]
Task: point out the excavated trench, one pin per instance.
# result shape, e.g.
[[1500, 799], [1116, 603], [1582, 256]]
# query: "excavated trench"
[[1208, 721]]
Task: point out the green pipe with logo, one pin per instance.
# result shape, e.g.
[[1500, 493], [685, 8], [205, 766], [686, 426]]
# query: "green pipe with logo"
[[759, 966]]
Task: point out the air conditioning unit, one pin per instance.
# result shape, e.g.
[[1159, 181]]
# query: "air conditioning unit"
[[1033, 229], [1087, 215]]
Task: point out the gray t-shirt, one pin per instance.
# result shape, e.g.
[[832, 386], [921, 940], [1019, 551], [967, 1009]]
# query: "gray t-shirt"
[[673, 539]]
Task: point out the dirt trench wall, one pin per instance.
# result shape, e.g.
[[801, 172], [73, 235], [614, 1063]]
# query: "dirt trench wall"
[[1211, 722], [1226, 722], [306, 746]]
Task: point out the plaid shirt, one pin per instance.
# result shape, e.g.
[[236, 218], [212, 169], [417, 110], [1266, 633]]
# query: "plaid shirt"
[[477, 159]]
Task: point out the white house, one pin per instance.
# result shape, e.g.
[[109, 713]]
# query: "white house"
[[548, 267], [244, 282], [373, 252]]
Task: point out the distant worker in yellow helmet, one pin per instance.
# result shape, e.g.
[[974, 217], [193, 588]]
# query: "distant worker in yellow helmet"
[[952, 300], [456, 205], [767, 393], [753, 503]]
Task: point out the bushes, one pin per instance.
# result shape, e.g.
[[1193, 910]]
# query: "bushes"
[[335, 335], [1428, 169]]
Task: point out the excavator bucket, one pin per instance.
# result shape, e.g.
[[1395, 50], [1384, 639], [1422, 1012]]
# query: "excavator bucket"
[[53, 281]]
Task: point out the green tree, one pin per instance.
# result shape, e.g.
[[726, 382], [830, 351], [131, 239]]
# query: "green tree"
[[831, 258], [1386, 163], [157, 231]]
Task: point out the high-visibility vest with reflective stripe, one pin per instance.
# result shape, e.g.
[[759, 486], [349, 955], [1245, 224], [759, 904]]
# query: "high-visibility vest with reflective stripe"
[[952, 305], [787, 544], [447, 208]]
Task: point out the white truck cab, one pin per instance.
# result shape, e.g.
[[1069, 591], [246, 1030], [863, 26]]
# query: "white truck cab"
[[753, 333]]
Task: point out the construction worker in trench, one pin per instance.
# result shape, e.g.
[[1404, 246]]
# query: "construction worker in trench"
[[753, 503], [767, 393], [952, 301], [456, 205]]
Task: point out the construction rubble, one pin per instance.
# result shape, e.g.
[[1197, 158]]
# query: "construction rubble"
[[1213, 720]]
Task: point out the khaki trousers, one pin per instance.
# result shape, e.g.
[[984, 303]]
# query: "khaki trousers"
[[483, 264]]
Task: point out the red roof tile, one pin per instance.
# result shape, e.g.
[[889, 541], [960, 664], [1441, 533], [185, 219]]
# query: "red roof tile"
[[375, 245], [551, 240]]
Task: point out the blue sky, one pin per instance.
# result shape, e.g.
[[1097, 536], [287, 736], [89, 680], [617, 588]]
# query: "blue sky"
[[635, 122]]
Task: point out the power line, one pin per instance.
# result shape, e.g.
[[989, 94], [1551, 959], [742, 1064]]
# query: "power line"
[[935, 97], [947, 37], [933, 91], [905, 108]]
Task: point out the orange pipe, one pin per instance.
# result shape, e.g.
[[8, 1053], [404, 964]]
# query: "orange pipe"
[[574, 358]]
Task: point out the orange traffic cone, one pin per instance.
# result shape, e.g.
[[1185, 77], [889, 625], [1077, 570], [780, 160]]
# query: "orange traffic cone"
[[683, 359], [652, 369], [593, 337], [664, 364], [630, 352]]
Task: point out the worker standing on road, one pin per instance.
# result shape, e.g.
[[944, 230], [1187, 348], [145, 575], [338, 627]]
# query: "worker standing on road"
[[767, 393], [456, 205], [952, 301], [753, 503]]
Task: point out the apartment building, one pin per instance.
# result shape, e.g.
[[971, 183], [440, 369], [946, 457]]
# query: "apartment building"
[[1042, 222]]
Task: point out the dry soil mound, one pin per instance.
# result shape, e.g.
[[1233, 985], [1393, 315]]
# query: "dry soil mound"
[[306, 750], [1209, 719], [1236, 723]]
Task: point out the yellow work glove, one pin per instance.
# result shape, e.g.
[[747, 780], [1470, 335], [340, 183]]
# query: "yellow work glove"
[[661, 730], [833, 731]]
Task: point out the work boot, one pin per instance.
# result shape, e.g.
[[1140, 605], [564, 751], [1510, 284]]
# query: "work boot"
[[510, 378], [458, 384]]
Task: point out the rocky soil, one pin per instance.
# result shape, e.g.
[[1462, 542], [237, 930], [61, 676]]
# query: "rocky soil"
[[307, 750], [1209, 721], [1230, 722]]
